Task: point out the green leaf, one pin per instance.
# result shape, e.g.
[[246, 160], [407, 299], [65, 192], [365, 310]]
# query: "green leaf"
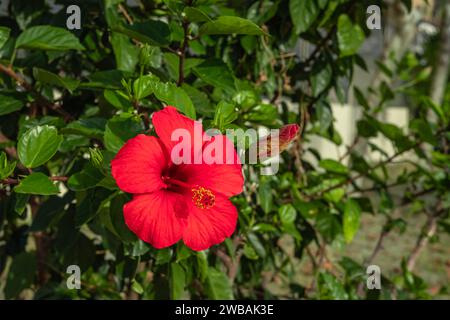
[[263, 113], [328, 225], [6, 167], [37, 183], [218, 286], [287, 214], [175, 96], [265, 197], [118, 99], [4, 35], [121, 128], [366, 128], [153, 32], [423, 130], [321, 79], [361, 99], [125, 53], [90, 204], [334, 195], [21, 274], [173, 63], [350, 36], [140, 248], [108, 79], [196, 15], [225, 114], [91, 127], [48, 38], [217, 74], [47, 77], [9, 104], [21, 201], [38, 145], [351, 219], [333, 166], [177, 281], [137, 287], [144, 86], [231, 25], [199, 99], [118, 220], [331, 288], [150, 56], [257, 245], [325, 116], [49, 212], [163, 256], [250, 253], [87, 178], [202, 265], [303, 14]]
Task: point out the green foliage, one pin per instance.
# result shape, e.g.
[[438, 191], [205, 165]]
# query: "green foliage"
[[69, 100], [36, 183], [38, 145], [48, 38]]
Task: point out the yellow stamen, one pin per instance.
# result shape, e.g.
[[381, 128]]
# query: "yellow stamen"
[[203, 198]]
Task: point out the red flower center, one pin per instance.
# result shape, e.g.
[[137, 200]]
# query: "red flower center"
[[202, 197]]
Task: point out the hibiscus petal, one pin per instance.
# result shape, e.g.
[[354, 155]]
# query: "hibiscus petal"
[[168, 120], [207, 227], [219, 176], [156, 218], [138, 165]]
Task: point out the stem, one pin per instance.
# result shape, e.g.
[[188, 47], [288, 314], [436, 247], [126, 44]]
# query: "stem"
[[429, 230], [376, 250], [320, 46], [40, 99], [360, 175], [10, 181], [125, 14], [442, 58], [182, 53]]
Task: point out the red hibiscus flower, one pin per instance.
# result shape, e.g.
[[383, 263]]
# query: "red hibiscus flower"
[[178, 201]]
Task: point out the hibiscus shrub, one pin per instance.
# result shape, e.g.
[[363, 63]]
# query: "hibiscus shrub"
[[87, 183]]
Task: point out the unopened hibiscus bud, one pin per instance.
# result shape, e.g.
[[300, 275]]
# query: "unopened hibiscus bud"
[[96, 157], [278, 141]]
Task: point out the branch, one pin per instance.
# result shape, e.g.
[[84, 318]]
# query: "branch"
[[39, 97], [320, 46], [125, 14], [442, 58], [349, 149], [182, 53], [429, 230], [360, 175], [10, 181], [376, 250], [232, 265]]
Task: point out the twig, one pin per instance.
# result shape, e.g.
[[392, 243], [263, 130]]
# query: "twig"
[[10, 181], [429, 230], [232, 265], [320, 46], [125, 14], [182, 53], [360, 175], [349, 149], [376, 250], [321, 253], [43, 101]]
